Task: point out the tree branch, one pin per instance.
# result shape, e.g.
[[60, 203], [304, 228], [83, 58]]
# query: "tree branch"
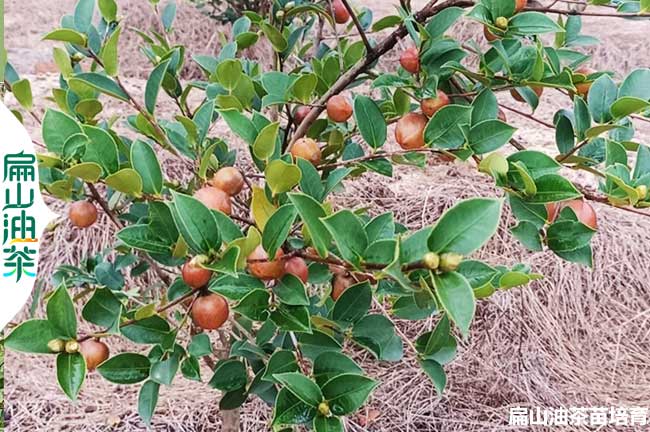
[[588, 13], [357, 24]]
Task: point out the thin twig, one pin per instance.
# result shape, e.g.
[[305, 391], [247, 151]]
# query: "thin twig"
[[357, 24]]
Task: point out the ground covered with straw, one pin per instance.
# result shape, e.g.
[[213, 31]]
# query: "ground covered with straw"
[[578, 337]]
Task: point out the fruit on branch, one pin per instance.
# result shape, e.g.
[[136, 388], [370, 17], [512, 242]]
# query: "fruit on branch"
[[300, 114], [410, 60], [491, 37], [520, 5], [431, 260], [582, 88], [71, 346], [94, 352], [340, 283], [582, 209], [450, 261], [306, 148], [409, 132], [210, 311], [56, 345], [261, 267], [339, 108], [430, 106], [229, 180], [297, 267], [194, 275], [501, 22], [214, 198], [341, 14], [537, 89], [82, 214]]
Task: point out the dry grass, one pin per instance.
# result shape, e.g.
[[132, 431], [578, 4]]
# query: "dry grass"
[[576, 338]]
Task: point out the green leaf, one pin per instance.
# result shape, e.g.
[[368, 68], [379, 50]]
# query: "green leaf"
[[278, 227], [304, 86], [432, 341], [57, 128], [602, 95], [151, 330], [86, 171], [642, 166], [109, 53], [229, 375], [61, 313], [317, 343], [457, 299], [302, 387], [282, 176], [264, 145], [532, 23], [125, 368], [142, 237], [200, 345], [66, 35], [328, 424], [32, 336], [636, 85], [83, 14], [564, 135], [489, 135], [568, 236], [377, 333], [103, 309], [292, 318], [108, 9], [254, 305], [144, 161], [281, 361], [152, 87], [147, 400], [311, 212], [196, 224], [442, 21], [353, 304], [22, 91], [274, 36], [348, 233], [582, 117], [436, 374], [291, 291], [346, 393], [70, 373], [240, 125], [229, 72], [528, 234], [168, 15], [103, 84], [484, 106], [628, 105], [552, 188], [444, 129], [127, 181], [101, 149], [62, 60], [261, 207], [370, 121], [331, 364], [466, 227], [289, 409]]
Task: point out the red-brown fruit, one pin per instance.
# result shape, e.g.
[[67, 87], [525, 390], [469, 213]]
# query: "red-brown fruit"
[[410, 60], [297, 267], [585, 213], [430, 106], [339, 108], [520, 5], [491, 37], [339, 285], [341, 14], [583, 87], [266, 270], [82, 214], [214, 198], [300, 114], [229, 180], [306, 148], [537, 89], [210, 312], [94, 352], [409, 132], [502, 116], [195, 276]]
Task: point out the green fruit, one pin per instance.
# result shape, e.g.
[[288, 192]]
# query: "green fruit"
[[501, 22], [431, 260]]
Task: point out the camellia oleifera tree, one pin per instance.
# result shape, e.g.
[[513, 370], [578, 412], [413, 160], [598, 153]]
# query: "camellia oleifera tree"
[[256, 252]]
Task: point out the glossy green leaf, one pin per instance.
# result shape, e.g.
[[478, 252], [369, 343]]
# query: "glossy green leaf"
[[109, 53], [436, 374], [152, 87], [290, 410], [125, 368], [145, 162], [196, 223], [103, 84], [353, 304], [22, 91], [370, 121], [282, 176], [302, 387], [346, 393], [127, 181], [61, 313], [87, 171], [102, 149], [311, 212], [444, 129], [457, 299], [147, 400], [264, 145], [70, 373], [57, 128], [277, 230], [229, 375], [291, 291], [348, 234], [32, 336], [489, 135], [66, 35]]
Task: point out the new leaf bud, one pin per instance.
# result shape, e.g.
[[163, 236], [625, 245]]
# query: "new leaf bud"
[[450, 261]]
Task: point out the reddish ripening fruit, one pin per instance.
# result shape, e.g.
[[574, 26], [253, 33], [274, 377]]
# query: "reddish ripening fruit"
[[307, 149], [82, 214], [520, 5], [94, 352], [297, 267], [210, 312], [409, 132], [583, 87], [502, 116], [214, 198], [266, 270], [341, 14], [584, 212], [339, 108], [194, 275], [410, 60], [491, 37], [229, 180], [431, 106], [339, 285], [537, 89], [300, 114]]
